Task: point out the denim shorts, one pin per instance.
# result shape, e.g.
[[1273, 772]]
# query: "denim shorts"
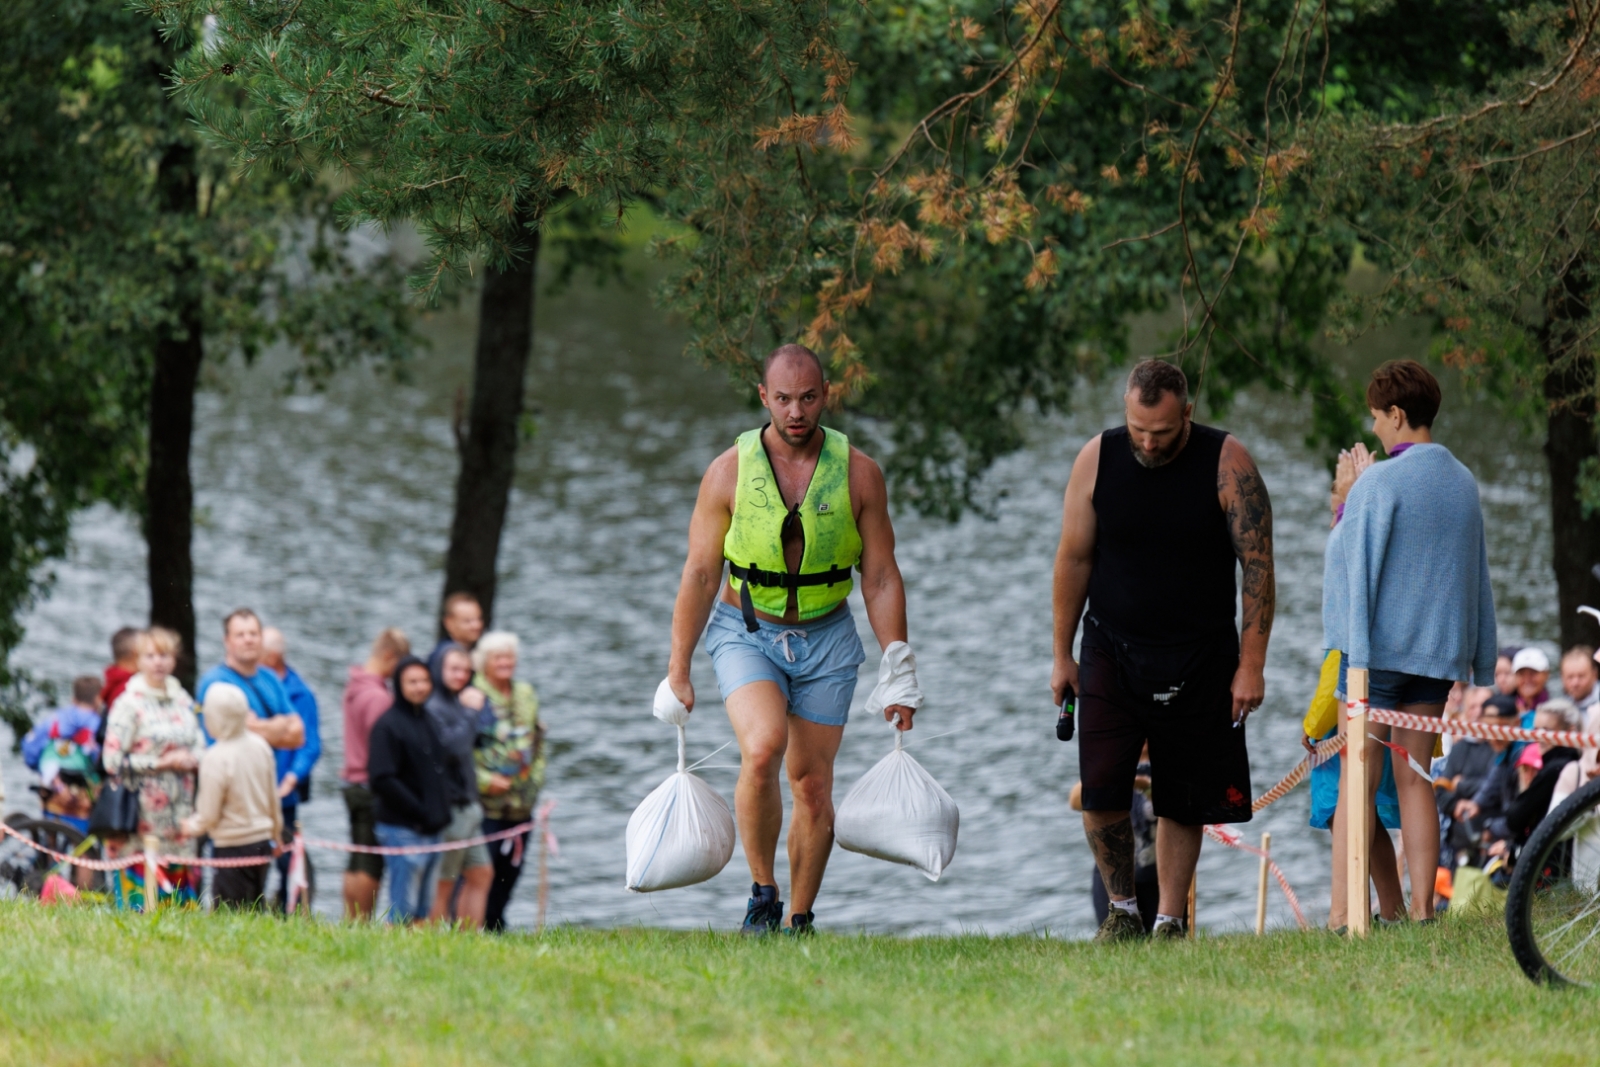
[[1390, 690], [814, 662]]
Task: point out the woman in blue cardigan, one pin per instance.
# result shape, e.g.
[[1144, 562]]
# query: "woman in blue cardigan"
[[1406, 592]]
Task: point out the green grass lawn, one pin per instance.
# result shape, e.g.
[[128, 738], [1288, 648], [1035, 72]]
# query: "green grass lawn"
[[86, 986]]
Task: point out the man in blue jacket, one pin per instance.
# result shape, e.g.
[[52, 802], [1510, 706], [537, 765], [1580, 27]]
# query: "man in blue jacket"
[[294, 768], [276, 719]]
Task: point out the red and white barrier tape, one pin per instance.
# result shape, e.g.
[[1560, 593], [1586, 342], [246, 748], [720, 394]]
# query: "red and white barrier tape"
[[298, 849], [1486, 730], [76, 861], [418, 850], [1224, 836], [1325, 750]]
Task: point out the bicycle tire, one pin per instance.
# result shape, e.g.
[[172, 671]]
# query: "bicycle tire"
[[53, 834], [1527, 882]]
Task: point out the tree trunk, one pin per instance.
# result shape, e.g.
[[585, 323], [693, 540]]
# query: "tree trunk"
[[1569, 390], [169, 492], [488, 446]]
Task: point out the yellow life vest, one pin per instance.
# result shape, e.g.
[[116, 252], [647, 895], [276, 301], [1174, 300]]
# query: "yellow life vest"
[[754, 544]]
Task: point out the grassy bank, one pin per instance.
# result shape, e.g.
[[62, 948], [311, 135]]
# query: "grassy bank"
[[84, 986]]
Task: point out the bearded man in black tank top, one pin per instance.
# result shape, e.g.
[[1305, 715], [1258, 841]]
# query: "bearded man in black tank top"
[[1158, 514]]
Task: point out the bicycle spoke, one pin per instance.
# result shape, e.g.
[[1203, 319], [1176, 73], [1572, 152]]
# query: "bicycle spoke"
[[1580, 945], [1594, 906]]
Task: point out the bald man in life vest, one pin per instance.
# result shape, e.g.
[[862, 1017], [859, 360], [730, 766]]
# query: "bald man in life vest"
[[792, 509]]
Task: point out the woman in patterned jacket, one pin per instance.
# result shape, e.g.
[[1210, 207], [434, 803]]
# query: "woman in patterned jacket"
[[153, 746], [510, 761]]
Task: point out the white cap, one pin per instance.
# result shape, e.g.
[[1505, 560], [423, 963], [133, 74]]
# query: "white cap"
[[1530, 659]]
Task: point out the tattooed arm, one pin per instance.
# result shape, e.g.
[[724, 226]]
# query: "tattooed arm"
[[1244, 500]]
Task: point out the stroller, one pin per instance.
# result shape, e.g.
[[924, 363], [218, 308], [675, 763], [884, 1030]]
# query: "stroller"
[[65, 751]]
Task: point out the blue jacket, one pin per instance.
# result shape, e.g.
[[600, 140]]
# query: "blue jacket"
[[1405, 584], [269, 697], [304, 702]]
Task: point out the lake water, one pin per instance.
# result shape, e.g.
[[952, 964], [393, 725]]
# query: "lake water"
[[329, 515]]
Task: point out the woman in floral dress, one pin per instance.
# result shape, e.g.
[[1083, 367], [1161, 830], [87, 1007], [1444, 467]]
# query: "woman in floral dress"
[[153, 745]]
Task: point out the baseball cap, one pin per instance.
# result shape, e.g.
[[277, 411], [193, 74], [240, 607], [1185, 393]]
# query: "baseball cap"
[[1530, 659], [1501, 707]]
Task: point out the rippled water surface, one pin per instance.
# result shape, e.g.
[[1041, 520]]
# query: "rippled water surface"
[[329, 515]]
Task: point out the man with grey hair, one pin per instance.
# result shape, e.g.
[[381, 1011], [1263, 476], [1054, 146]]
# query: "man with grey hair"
[[1158, 513]]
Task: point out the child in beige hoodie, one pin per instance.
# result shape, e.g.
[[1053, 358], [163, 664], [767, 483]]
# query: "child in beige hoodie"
[[238, 801]]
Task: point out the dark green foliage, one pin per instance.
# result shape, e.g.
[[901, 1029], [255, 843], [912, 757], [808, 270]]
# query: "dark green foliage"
[[92, 266], [1030, 176], [458, 114]]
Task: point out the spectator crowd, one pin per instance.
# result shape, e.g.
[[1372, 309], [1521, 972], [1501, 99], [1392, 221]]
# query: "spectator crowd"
[[443, 750], [1491, 794]]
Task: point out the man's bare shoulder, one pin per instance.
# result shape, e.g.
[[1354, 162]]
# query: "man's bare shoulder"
[[1235, 454], [721, 479], [866, 477], [860, 459], [1086, 466]]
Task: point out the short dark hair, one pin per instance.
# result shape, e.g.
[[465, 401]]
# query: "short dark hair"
[[787, 351], [125, 643], [455, 600], [86, 688], [1407, 385], [238, 613], [1152, 377]]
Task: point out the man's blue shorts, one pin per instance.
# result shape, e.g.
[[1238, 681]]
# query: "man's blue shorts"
[[814, 662]]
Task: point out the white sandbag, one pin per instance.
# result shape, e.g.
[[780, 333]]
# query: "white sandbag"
[[897, 812], [682, 833]]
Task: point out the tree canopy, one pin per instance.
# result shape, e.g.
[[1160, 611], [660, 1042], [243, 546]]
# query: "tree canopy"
[[1012, 182], [98, 262]]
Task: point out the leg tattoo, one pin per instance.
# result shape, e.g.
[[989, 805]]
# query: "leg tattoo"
[[1112, 846]]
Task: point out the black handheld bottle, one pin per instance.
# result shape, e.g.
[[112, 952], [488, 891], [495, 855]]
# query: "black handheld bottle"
[[1069, 705]]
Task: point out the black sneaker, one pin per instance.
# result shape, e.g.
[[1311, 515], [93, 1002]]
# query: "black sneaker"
[[801, 925], [1169, 931], [764, 913]]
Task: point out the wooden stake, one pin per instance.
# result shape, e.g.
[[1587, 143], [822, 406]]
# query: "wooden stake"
[[1261, 888], [544, 869], [1358, 811], [152, 873], [1190, 918]]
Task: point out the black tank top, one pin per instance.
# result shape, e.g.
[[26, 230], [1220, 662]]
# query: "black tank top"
[[1163, 557]]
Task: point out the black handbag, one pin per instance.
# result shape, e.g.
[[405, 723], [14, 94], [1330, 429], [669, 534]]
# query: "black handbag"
[[115, 812]]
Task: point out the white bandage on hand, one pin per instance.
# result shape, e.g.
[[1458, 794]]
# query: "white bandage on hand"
[[897, 680], [668, 708]]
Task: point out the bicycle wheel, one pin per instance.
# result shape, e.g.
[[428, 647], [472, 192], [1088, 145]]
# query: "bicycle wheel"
[[26, 869], [1553, 904]]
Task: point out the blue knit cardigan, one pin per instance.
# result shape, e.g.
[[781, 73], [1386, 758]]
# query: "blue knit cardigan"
[[1405, 584]]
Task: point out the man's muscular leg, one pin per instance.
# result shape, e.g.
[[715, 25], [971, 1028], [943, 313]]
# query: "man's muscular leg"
[[812, 748], [759, 713], [1177, 852], [1110, 835]]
